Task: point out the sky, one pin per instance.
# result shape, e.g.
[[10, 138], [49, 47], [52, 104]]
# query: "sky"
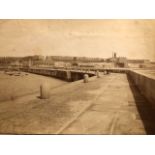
[[134, 39]]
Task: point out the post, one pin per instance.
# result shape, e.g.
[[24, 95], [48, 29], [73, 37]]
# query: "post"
[[105, 72], [86, 78], [68, 75], [98, 74], [44, 91]]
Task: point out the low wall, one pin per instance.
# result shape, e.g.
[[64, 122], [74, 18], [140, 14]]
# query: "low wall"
[[70, 75], [112, 70], [145, 84], [67, 75]]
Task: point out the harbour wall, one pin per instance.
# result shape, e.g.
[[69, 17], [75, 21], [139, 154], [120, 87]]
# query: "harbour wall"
[[67, 75], [145, 83]]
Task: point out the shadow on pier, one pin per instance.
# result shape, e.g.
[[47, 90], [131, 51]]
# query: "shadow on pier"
[[145, 109]]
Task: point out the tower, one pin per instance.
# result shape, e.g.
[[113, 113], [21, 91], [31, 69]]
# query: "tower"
[[115, 54]]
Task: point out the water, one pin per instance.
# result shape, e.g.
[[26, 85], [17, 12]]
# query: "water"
[[13, 86], [148, 72]]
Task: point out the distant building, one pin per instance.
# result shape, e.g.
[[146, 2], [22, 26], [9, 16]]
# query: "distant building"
[[15, 64], [118, 61], [35, 60], [138, 63], [59, 64], [85, 65], [122, 62]]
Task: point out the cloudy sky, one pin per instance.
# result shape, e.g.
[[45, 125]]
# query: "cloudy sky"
[[92, 38]]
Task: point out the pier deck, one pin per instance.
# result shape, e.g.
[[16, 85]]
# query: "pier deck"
[[107, 105]]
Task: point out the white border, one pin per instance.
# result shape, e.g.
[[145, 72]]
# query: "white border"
[[77, 9], [77, 145]]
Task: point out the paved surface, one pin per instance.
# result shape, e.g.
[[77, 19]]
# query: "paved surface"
[[107, 105], [118, 109]]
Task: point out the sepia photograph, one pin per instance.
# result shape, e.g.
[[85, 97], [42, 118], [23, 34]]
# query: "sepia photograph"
[[77, 76]]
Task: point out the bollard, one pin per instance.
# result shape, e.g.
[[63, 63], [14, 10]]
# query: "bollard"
[[86, 78], [44, 91], [68, 74], [105, 72], [98, 74]]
